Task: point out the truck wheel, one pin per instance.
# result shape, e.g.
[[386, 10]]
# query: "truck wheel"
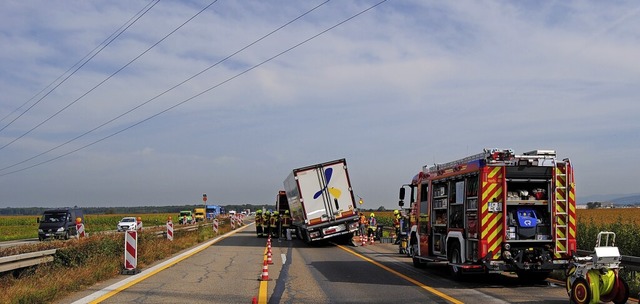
[[66, 235], [454, 258], [580, 292]]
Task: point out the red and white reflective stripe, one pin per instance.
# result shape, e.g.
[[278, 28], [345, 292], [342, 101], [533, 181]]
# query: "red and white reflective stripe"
[[80, 230], [131, 249], [139, 225], [233, 222], [215, 226], [170, 230]]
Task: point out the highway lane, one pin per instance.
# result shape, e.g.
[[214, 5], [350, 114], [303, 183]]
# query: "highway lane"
[[229, 270]]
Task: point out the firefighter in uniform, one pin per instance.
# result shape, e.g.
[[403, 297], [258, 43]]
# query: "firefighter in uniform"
[[285, 222], [273, 224], [373, 225], [396, 225], [259, 230]]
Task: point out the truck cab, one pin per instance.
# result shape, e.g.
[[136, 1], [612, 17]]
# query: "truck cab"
[[59, 223], [199, 214]]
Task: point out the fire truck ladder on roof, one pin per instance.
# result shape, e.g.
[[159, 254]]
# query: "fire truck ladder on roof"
[[561, 231]]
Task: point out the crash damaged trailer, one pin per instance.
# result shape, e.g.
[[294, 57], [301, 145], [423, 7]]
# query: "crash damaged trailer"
[[321, 202]]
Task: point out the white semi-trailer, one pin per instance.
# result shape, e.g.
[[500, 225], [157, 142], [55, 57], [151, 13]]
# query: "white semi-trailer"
[[321, 202]]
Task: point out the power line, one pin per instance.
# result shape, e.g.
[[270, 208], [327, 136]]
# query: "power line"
[[201, 93], [110, 76], [170, 89], [79, 64]]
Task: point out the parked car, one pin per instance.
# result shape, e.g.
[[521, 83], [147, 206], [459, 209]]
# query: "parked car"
[[127, 223]]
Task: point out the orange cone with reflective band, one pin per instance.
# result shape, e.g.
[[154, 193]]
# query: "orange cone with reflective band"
[[364, 240], [265, 272]]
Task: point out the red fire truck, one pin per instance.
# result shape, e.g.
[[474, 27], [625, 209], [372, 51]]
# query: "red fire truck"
[[495, 211]]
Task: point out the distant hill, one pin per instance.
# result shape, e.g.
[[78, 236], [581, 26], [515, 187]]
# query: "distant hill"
[[617, 199], [627, 200]]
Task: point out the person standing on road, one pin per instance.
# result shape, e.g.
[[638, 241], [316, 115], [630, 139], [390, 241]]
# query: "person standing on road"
[[259, 228], [363, 225], [373, 225], [396, 225], [285, 222]]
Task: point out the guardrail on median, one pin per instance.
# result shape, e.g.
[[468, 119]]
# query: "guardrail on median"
[[13, 262], [18, 261]]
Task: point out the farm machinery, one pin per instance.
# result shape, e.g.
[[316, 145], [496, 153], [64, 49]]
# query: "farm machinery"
[[595, 279]]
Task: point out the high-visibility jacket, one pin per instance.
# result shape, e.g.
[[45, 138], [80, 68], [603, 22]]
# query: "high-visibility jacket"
[[273, 221], [396, 221], [286, 221], [373, 223], [363, 220], [258, 219]]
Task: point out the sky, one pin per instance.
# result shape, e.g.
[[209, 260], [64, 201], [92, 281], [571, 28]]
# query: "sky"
[[145, 103]]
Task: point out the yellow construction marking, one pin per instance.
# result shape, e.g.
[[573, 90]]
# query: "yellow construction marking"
[[146, 275], [425, 287]]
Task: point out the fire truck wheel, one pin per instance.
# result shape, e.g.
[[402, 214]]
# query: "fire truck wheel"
[[622, 292], [417, 263], [454, 258], [580, 292]]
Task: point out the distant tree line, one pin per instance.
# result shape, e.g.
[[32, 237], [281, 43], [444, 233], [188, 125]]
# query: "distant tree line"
[[133, 210]]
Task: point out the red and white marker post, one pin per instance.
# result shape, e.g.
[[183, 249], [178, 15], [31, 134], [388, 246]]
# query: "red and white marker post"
[[130, 252], [80, 228], [169, 229], [215, 226]]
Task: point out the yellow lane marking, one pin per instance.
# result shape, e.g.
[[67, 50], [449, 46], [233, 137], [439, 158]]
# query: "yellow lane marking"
[[145, 275], [425, 287], [262, 291]]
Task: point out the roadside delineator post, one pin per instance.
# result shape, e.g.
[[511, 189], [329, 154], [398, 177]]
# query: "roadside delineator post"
[[139, 223], [130, 252], [233, 222], [169, 229], [215, 226], [80, 228]]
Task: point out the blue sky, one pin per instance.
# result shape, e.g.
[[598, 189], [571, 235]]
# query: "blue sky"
[[402, 85]]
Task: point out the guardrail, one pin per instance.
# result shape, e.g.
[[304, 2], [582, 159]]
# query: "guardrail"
[[18, 261], [13, 262]]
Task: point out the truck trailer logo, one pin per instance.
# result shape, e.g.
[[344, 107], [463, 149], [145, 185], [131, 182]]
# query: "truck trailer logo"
[[335, 192]]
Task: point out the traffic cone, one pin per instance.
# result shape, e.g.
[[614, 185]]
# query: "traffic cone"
[[269, 260], [265, 272], [254, 301], [372, 240], [364, 240]]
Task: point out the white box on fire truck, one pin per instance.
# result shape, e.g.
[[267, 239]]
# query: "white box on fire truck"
[[321, 202]]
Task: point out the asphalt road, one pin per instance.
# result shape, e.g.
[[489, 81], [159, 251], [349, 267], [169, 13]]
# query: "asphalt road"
[[229, 271]]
